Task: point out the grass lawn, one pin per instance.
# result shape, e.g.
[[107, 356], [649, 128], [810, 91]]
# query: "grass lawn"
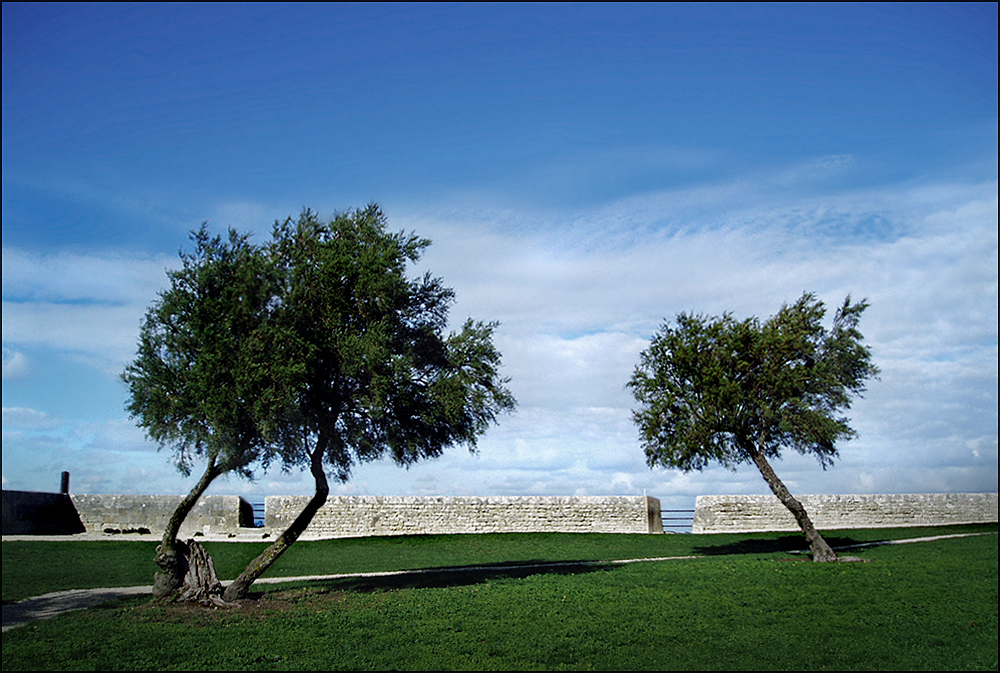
[[747, 604]]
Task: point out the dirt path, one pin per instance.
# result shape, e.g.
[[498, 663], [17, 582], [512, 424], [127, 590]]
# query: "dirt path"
[[58, 602]]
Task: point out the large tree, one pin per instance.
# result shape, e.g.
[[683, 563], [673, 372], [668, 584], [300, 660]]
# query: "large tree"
[[717, 389], [315, 350], [209, 380], [379, 375]]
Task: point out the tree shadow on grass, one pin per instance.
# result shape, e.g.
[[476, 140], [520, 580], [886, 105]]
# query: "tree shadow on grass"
[[785, 544], [445, 577]]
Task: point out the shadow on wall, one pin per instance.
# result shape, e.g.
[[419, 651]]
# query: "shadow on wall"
[[28, 513]]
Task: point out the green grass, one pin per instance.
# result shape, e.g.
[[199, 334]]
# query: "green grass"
[[747, 605], [32, 568]]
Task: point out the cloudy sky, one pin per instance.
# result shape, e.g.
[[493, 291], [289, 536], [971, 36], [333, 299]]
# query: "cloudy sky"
[[585, 172]]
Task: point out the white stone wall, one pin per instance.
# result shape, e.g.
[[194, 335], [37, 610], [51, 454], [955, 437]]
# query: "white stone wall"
[[356, 516], [212, 514], [752, 513]]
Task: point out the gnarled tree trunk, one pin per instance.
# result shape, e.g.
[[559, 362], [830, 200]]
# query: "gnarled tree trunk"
[[201, 584], [172, 554], [241, 585], [821, 551]]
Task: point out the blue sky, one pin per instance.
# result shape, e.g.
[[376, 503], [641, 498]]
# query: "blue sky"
[[585, 172]]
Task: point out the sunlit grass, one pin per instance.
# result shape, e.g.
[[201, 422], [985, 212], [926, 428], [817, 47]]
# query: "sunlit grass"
[[927, 606], [32, 568]]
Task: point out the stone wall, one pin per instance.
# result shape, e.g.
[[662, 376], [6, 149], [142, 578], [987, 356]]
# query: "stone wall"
[[213, 514], [358, 516], [752, 513]]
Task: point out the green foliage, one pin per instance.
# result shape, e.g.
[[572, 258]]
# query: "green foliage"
[[259, 352], [378, 373], [315, 349], [206, 381], [715, 389]]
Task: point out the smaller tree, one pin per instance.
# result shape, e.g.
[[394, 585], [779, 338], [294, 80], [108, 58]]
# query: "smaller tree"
[[714, 389], [208, 381]]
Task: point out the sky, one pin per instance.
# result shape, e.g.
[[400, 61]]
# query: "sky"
[[585, 172]]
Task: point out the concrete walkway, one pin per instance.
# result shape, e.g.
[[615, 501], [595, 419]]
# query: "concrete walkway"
[[58, 602]]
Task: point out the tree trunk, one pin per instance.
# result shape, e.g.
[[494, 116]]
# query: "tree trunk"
[[172, 555], [241, 585], [201, 584], [821, 551]]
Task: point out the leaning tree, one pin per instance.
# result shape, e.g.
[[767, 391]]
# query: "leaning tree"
[[378, 374], [209, 382], [716, 389]]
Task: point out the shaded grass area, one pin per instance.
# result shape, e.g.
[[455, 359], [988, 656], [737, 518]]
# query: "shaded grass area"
[[927, 606], [32, 568]]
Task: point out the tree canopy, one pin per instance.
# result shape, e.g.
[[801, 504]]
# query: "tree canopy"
[[378, 373], [197, 385], [721, 390], [206, 381], [316, 350]]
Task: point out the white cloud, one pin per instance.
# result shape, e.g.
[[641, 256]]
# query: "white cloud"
[[579, 294], [63, 277], [578, 297], [101, 335], [15, 365], [87, 306], [29, 419]]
